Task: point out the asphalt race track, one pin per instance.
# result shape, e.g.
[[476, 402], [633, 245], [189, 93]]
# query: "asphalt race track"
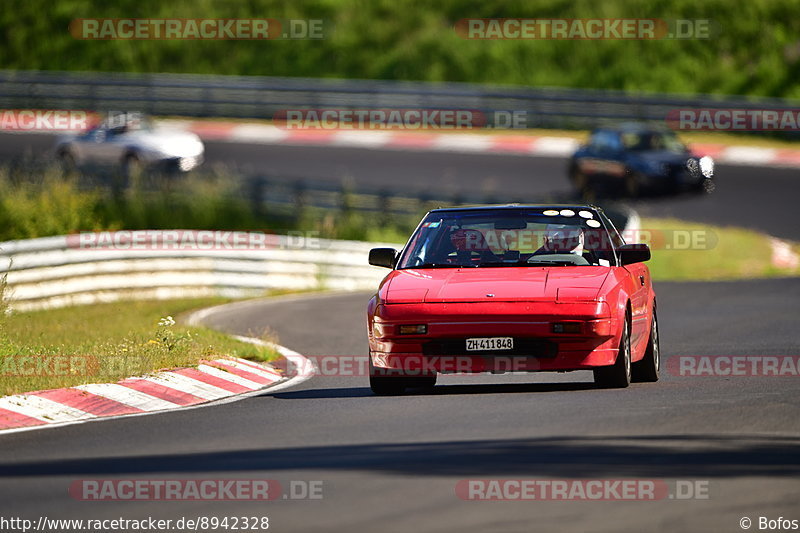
[[753, 197], [392, 464]]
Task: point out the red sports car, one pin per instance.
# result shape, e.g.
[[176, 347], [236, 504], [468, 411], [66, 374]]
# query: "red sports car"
[[513, 289]]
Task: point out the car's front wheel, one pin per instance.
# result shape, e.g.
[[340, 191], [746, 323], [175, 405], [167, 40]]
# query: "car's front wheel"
[[387, 385], [649, 368], [391, 382], [618, 375]]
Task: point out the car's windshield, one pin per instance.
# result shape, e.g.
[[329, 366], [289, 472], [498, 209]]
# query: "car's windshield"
[[652, 140], [509, 237]]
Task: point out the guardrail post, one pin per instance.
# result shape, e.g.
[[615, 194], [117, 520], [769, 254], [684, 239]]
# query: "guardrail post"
[[300, 199], [256, 187], [384, 204]]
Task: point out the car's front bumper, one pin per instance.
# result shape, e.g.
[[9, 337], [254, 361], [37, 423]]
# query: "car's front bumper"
[[180, 164], [536, 347]]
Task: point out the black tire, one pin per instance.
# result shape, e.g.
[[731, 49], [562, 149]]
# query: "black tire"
[[392, 382], [387, 385], [618, 375], [67, 161], [385, 382], [132, 167], [423, 382], [649, 368]]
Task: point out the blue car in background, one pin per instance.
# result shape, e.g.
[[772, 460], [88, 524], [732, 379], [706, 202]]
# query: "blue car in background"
[[636, 158]]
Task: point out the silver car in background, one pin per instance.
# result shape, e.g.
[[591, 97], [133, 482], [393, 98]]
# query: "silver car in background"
[[133, 146]]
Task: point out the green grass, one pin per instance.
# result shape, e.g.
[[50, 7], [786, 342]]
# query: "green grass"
[[110, 342], [737, 253], [37, 202]]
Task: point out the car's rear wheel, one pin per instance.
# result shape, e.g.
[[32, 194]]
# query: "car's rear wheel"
[[649, 368], [132, 167], [618, 375], [67, 162]]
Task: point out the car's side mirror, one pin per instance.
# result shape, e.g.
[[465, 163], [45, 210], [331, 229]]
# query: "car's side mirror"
[[383, 257], [633, 253]]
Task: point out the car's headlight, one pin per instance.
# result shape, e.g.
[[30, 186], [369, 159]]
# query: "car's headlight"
[[706, 166]]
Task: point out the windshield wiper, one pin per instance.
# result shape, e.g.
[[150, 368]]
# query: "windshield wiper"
[[554, 262], [438, 265], [503, 263]]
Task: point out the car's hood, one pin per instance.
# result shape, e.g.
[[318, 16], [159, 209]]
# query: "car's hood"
[[166, 142], [503, 283]]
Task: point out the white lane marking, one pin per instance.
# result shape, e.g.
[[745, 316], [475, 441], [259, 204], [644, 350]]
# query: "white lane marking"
[[554, 146], [257, 133], [747, 155], [128, 396], [189, 386], [462, 143], [229, 376], [362, 138], [42, 408]]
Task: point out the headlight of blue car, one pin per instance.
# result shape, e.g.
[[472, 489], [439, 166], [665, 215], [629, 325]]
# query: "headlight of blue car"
[[706, 166]]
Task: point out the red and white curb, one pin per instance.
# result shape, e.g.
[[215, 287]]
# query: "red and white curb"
[[454, 142], [210, 383]]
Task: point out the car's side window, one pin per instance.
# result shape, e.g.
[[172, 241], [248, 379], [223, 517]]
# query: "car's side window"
[[605, 141]]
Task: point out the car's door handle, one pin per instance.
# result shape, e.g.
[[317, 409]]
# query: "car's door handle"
[[641, 280]]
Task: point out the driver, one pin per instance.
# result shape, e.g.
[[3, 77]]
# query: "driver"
[[562, 239]]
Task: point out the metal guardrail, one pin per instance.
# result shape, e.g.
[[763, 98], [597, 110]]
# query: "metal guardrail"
[[53, 272], [262, 97], [56, 272]]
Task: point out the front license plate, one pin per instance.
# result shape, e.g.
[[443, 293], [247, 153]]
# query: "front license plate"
[[476, 344]]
